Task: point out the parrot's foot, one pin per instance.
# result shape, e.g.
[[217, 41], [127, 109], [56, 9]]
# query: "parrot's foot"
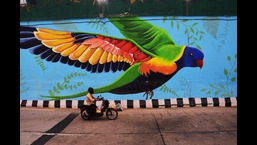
[[150, 92]]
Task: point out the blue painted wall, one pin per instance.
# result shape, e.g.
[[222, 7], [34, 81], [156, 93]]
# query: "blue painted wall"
[[215, 36]]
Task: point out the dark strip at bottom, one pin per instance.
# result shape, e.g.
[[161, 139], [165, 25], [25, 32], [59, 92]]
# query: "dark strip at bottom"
[[42, 140], [56, 129]]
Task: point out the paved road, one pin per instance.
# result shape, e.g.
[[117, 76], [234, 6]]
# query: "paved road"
[[159, 126]]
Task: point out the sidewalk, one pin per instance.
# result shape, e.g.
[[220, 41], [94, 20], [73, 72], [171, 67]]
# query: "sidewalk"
[[155, 126]]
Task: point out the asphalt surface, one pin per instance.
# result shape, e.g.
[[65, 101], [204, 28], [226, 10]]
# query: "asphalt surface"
[[155, 126]]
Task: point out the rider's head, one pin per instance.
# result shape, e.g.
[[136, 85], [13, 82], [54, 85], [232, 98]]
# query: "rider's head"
[[90, 90]]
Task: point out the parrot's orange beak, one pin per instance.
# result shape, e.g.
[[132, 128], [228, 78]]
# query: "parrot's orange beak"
[[199, 63]]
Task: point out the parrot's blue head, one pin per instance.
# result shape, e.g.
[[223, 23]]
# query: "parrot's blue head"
[[192, 57]]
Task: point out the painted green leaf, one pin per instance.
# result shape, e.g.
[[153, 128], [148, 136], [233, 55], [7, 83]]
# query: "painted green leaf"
[[233, 79], [228, 58], [50, 92], [192, 43], [201, 37], [231, 92], [208, 92], [225, 72], [192, 30], [66, 80], [201, 32], [171, 24], [216, 92], [195, 23], [65, 86], [93, 25], [186, 31], [177, 25], [80, 83], [203, 90], [55, 89], [222, 86], [59, 86], [198, 46], [235, 70], [211, 85], [225, 95]]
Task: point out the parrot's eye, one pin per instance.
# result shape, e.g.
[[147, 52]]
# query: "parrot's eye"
[[191, 54]]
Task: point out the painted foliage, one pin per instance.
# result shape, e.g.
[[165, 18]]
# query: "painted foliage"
[[139, 58]]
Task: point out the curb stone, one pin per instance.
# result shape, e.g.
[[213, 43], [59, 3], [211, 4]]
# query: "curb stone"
[[153, 103]]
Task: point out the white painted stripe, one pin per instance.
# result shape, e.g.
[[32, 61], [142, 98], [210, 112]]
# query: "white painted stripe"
[[124, 103], [186, 102], [210, 102], [40, 103], [51, 104], [222, 102], [173, 102], [161, 103], [233, 101], [136, 104], [63, 104], [74, 104], [198, 102], [29, 103], [149, 103]]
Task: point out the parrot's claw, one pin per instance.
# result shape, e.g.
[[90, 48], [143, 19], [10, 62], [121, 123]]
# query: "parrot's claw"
[[149, 92]]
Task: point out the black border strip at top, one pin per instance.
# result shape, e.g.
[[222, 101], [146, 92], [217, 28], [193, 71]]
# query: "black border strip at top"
[[165, 8]]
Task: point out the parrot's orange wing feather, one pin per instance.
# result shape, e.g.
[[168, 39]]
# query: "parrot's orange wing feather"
[[82, 49]]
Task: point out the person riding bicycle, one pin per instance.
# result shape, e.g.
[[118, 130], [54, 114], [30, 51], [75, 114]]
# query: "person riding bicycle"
[[91, 100]]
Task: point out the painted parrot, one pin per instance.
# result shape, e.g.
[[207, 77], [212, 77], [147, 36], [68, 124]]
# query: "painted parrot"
[[147, 55]]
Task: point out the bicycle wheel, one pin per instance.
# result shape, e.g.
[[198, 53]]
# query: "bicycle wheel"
[[111, 114]]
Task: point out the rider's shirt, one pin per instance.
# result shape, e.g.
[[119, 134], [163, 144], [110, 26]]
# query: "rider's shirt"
[[90, 99]]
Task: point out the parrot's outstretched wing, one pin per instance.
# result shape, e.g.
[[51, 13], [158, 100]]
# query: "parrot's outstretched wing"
[[153, 41], [95, 53]]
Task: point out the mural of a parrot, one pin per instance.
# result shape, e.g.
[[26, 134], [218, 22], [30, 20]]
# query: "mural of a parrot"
[[147, 55]]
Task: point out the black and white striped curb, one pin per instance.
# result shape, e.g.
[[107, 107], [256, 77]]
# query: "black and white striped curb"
[[154, 103]]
